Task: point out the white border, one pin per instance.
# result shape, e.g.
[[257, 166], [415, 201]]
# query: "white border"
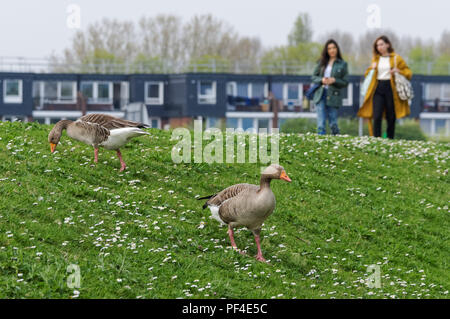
[[154, 101], [13, 99], [210, 99]]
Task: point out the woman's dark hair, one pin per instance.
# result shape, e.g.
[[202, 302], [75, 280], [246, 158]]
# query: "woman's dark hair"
[[325, 57], [386, 40]]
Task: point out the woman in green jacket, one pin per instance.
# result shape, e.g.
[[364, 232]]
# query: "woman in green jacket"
[[331, 74]]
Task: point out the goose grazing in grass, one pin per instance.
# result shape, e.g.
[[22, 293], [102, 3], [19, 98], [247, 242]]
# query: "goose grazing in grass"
[[98, 130], [246, 205]]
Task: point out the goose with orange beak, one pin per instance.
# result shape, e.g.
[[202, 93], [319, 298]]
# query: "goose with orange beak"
[[246, 205], [98, 130]]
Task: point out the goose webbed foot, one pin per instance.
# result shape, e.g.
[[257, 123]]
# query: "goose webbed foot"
[[259, 255], [260, 258]]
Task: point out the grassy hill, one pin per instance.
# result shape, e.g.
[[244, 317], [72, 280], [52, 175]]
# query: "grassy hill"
[[353, 202]]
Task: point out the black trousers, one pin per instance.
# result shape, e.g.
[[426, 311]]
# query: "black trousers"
[[383, 100]]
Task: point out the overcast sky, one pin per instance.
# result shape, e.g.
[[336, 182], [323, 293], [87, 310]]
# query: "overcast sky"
[[38, 28]]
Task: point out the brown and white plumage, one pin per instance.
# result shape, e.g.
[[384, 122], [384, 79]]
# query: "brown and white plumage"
[[246, 204], [110, 122], [98, 130]]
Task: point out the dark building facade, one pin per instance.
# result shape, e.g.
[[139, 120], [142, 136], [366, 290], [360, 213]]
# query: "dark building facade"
[[171, 100]]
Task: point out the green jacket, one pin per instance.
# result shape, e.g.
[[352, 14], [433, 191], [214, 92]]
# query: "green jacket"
[[339, 71]]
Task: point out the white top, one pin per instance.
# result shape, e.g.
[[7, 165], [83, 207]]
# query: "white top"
[[327, 73], [384, 67]]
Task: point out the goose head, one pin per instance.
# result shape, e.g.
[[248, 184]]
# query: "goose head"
[[55, 134], [275, 171]]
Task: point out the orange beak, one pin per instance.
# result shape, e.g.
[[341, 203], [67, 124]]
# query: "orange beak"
[[285, 177], [52, 147]]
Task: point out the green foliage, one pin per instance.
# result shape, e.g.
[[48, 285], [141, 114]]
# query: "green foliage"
[[441, 66], [209, 63], [353, 202], [420, 58], [288, 59], [146, 64], [302, 30]]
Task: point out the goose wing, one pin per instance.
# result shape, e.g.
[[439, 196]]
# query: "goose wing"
[[228, 193], [110, 122], [89, 133]]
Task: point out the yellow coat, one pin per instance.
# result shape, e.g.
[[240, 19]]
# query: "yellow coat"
[[401, 107]]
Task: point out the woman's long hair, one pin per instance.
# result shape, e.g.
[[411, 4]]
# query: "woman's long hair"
[[386, 40], [325, 57]]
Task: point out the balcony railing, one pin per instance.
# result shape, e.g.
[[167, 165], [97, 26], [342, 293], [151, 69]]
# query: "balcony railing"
[[54, 104], [25, 64], [240, 104]]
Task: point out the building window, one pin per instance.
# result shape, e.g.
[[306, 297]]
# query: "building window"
[[155, 122], [347, 95], [67, 91], [206, 92], [259, 90], [244, 89], [51, 90], [12, 91], [277, 90], [104, 92], [154, 93], [231, 89], [437, 91], [446, 91], [97, 92], [292, 94], [87, 88]]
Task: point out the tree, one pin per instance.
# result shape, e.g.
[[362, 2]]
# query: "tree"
[[345, 41], [158, 44], [206, 38], [104, 43], [161, 40], [420, 59], [299, 59], [206, 35], [444, 43], [301, 31], [246, 54]]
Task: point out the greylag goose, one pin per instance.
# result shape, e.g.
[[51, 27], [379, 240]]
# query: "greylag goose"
[[98, 130], [246, 205]]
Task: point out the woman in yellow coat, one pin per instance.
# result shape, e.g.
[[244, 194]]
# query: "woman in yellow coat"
[[382, 97]]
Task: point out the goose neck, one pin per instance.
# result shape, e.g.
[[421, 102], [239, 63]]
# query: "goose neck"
[[265, 182], [63, 124]]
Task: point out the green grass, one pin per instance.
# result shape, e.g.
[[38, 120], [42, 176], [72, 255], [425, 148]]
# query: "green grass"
[[407, 129], [353, 202]]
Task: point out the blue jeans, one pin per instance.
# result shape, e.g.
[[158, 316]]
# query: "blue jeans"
[[325, 112]]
